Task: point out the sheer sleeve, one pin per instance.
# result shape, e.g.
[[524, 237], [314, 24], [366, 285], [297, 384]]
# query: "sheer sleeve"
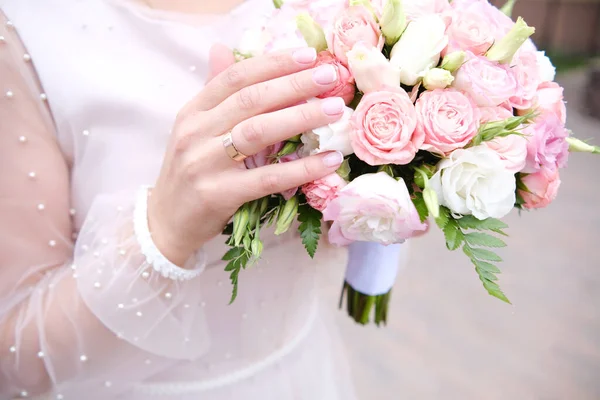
[[94, 311]]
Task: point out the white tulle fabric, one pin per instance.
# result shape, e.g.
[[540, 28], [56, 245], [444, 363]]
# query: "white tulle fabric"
[[88, 94]]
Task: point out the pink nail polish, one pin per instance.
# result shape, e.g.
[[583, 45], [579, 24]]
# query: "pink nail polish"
[[333, 159], [305, 56], [333, 105], [324, 75]]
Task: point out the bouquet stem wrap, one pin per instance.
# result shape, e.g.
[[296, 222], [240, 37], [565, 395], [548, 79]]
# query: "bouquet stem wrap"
[[370, 275]]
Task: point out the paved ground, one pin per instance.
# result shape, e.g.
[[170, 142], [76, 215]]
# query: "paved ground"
[[448, 339]]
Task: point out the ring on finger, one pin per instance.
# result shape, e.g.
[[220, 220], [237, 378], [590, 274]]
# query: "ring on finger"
[[231, 150]]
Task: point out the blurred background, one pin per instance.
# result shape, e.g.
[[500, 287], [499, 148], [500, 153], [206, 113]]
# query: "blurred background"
[[446, 337]]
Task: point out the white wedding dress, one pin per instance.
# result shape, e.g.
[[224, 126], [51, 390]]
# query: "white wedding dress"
[[89, 90]]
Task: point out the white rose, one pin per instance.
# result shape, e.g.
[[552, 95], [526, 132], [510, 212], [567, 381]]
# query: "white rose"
[[335, 136], [437, 78], [370, 68], [419, 48], [545, 67], [475, 181]]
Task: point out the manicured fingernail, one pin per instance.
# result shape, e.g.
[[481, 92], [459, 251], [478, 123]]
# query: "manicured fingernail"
[[306, 55], [333, 159], [333, 105], [324, 75]]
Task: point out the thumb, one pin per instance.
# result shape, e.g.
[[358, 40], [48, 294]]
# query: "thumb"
[[220, 58]]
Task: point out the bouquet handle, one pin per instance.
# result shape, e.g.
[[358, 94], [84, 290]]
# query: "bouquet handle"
[[370, 275]]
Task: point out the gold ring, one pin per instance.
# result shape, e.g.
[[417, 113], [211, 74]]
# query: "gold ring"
[[231, 150]]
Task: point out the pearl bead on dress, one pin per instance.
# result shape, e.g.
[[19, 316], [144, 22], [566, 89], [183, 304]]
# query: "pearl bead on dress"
[[9, 94], [22, 139], [24, 393], [26, 57], [43, 97], [31, 175], [2, 39], [12, 349], [83, 358]]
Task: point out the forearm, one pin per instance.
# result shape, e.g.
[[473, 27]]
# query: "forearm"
[[89, 319]]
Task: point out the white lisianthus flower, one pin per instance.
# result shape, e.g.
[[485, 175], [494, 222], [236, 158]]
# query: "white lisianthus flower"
[[332, 137], [371, 70], [419, 48], [545, 67], [474, 181]]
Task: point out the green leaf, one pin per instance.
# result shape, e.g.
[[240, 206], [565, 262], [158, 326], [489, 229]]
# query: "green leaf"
[[421, 207], [487, 275], [235, 266], [454, 236], [483, 240], [482, 254], [310, 228], [486, 266], [233, 253], [470, 222], [444, 217], [494, 290]]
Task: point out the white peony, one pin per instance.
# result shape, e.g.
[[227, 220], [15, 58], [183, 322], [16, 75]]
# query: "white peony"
[[545, 67], [419, 48], [474, 181], [371, 70], [335, 136]]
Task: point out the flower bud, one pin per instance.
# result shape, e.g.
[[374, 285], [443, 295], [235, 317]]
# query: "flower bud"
[[507, 8], [579, 146], [256, 247], [240, 224], [287, 215], [311, 31], [431, 201], [393, 21], [278, 3], [503, 50], [437, 78], [453, 61], [264, 203], [288, 149], [344, 170]]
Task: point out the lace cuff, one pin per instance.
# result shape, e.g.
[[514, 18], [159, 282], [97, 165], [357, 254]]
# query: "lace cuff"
[[153, 255]]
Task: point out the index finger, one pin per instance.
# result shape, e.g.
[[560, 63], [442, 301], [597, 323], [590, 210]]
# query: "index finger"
[[251, 71]]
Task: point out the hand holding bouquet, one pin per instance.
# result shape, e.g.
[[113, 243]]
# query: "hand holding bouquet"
[[453, 119]]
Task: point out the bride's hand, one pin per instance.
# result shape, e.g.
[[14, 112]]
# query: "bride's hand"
[[200, 187]]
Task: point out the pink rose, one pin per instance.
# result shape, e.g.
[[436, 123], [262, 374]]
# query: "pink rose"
[[384, 128], [322, 11], [542, 188], [496, 113], [488, 82], [420, 8], [322, 191], [268, 156], [373, 208], [447, 118], [547, 146], [512, 150], [344, 87], [525, 66], [356, 24], [470, 30], [498, 24], [550, 99]]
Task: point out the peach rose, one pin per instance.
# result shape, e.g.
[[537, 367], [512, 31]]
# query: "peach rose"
[[542, 188], [550, 98], [373, 208], [525, 66], [447, 118], [489, 83], [320, 192], [512, 150], [495, 113], [384, 128], [344, 87], [353, 25]]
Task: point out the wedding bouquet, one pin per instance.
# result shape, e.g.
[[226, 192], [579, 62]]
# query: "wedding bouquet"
[[454, 119]]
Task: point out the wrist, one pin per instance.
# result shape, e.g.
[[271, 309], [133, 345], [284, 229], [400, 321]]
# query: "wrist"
[[166, 242]]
